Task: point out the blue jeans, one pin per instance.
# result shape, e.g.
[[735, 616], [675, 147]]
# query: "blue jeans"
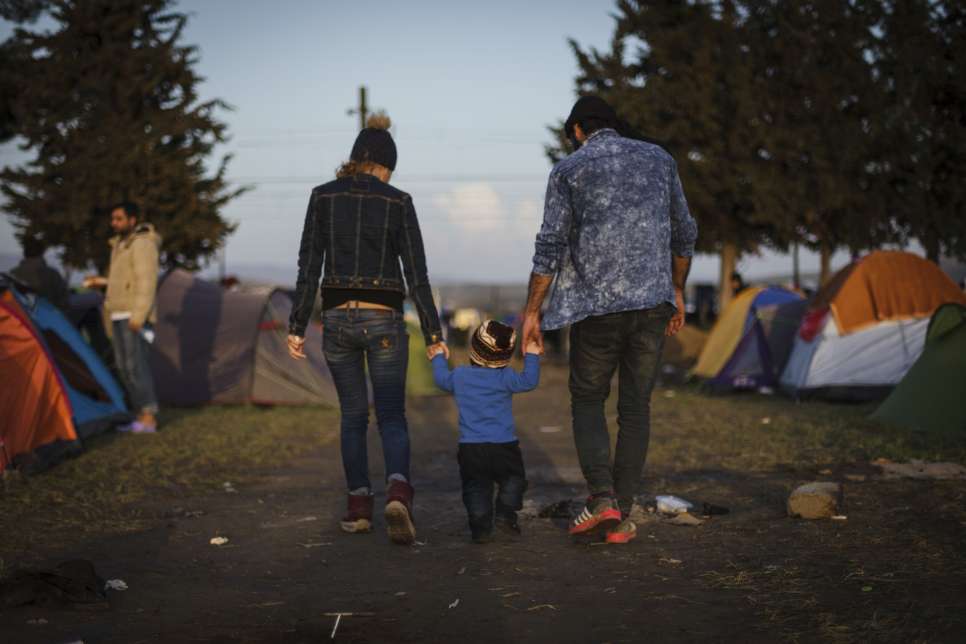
[[131, 352], [353, 337]]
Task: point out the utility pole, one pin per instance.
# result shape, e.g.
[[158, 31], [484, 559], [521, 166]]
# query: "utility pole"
[[362, 110], [796, 275]]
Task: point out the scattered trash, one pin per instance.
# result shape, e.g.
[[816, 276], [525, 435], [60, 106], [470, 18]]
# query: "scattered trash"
[[218, 541], [766, 420], [668, 504], [456, 602], [338, 620], [461, 570], [228, 487], [541, 607], [266, 604], [513, 594], [825, 472], [765, 390], [917, 469], [316, 545], [685, 518], [401, 593], [306, 519], [816, 500], [552, 429], [37, 622], [669, 393], [71, 582], [839, 517], [670, 562], [420, 543], [709, 509], [867, 589], [115, 584]]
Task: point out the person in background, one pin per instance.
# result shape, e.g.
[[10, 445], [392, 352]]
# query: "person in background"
[[131, 283], [618, 238], [34, 273], [359, 228], [737, 283], [489, 452]]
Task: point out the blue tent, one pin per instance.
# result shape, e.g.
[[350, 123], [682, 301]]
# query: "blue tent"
[[96, 398], [753, 340]]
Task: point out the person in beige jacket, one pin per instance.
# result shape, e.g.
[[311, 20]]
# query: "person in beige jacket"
[[131, 284]]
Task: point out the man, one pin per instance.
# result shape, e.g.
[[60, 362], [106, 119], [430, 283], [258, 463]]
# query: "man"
[[131, 284], [737, 283], [34, 273], [618, 237]]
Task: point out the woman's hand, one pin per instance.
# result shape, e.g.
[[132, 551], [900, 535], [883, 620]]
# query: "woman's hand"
[[296, 347], [434, 349]]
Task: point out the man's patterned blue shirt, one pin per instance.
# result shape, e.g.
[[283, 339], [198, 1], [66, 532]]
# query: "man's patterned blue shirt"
[[614, 214]]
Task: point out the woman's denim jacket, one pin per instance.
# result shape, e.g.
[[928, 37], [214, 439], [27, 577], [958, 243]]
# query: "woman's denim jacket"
[[359, 228]]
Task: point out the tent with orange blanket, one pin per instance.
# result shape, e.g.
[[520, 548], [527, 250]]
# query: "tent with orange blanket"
[[867, 326], [36, 426]]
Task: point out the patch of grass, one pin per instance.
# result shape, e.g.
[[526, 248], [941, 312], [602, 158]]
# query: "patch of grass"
[[691, 430], [197, 450]]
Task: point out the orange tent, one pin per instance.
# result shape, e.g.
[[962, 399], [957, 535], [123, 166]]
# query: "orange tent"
[[886, 285], [35, 413]]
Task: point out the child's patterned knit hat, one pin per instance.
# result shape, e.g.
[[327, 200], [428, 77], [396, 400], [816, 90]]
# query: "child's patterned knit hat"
[[492, 344]]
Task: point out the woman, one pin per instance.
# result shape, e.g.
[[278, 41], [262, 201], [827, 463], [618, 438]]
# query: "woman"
[[358, 228]]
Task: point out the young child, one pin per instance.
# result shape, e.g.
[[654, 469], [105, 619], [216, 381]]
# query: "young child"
[[489, 453]]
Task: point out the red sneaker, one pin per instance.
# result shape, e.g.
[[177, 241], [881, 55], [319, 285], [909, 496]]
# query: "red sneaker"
[[600, 512], [624, 532], [358, 517], [399, 512]]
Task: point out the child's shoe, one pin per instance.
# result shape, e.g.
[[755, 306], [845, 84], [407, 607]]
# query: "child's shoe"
[[399, 512], [506, 521], [358, 517]]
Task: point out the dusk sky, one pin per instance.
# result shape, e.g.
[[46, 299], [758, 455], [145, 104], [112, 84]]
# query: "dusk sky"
[[470, 89]]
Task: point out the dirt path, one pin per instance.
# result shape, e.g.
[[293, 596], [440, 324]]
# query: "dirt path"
[[894, 571]]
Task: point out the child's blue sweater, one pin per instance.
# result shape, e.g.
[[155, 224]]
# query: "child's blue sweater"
[[484, 397]]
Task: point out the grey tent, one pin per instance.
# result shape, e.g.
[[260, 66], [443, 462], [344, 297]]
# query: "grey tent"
[[226, 347]]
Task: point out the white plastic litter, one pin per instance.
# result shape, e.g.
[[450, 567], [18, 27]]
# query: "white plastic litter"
[[115, 584], [668, 504], [456, 602], [218, 541], [228, 487]]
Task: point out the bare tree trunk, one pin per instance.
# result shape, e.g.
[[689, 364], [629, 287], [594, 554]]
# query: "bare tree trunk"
[[825, 272], [729, 259]]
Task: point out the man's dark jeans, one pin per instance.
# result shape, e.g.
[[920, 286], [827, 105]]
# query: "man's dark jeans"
[[631, 341], [351, 337], [481, 466], [131, 352]]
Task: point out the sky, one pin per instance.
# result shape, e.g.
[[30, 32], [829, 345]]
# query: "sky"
[[470, 88]]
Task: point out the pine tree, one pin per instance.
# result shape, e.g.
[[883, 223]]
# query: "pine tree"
[[108, 103]]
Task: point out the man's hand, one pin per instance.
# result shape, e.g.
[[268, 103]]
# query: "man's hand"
[[134, 326], [435, 349], [296, 347], [677, 320], [531, 331], [95, 281]]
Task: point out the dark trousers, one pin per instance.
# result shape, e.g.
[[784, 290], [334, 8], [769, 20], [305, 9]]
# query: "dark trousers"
[[630, 341], [483, 466], [353, 338], [131, 353]]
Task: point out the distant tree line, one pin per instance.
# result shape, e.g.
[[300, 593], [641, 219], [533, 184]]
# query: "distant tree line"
[[836, 124], [107, 103]]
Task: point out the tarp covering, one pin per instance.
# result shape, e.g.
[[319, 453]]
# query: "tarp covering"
[[35, 412], [218, 346], [886, 285], [932, 396]]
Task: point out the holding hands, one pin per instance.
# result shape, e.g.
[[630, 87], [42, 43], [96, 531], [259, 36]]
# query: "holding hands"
[[435, 349]]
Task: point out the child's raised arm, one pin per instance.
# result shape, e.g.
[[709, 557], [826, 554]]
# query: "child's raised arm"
[[526, 380], [441, 373]]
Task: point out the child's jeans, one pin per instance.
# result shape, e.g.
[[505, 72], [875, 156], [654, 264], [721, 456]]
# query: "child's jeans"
[[483, 465]]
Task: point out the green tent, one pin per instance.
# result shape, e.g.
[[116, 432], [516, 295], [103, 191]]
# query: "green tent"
[[932, 394]]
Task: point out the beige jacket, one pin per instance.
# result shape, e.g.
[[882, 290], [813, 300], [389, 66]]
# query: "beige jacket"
[[133, 276]]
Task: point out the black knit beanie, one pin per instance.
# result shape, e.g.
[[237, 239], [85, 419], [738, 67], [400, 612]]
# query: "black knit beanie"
[[374, 145], [492, 344]]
